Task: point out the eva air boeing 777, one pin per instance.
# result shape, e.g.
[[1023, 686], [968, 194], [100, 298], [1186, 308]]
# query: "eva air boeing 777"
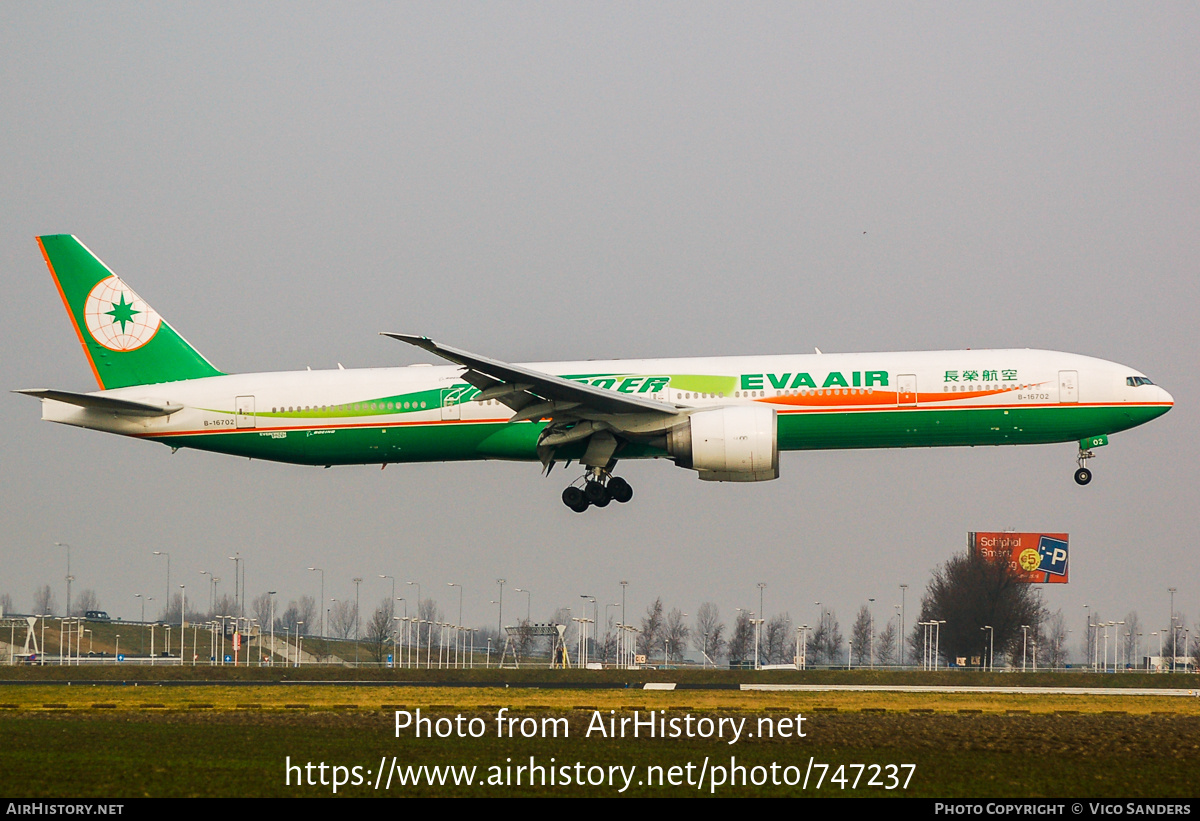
[[726, 418]]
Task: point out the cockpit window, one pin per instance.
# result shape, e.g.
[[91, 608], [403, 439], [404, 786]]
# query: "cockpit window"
[[1135, 381]]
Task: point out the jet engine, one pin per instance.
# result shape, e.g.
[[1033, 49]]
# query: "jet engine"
[[735, 444]]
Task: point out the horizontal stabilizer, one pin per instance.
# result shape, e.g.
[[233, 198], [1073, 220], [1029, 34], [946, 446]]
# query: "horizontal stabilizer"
[[109, 404]]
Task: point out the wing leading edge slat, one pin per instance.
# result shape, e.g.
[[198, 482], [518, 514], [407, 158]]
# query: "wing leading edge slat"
[[542, 386]]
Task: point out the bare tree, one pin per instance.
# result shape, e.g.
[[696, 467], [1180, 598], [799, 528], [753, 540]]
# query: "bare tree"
[[343, 616], [676, 635], [652, 626], [260, 608], [825, 641], [741, 643], [708, 636], [43, 601], [1196, 648], [379, 629], [1129, 637], [860, 636], [1088, 644], [523, 639], [1055, 641], [308, 615], [778, 646], [286, 621], [6, 605], [173, 613], [86, 601], [226, 605], [885, 644], [429, 615]]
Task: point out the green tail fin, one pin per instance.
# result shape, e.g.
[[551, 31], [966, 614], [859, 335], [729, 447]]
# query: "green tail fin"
[[125, 340]]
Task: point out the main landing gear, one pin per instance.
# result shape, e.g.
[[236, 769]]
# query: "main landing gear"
[[599, 488], [1083, 475]]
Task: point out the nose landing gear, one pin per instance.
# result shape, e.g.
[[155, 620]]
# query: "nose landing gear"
[[599, 488], [1083, 475]]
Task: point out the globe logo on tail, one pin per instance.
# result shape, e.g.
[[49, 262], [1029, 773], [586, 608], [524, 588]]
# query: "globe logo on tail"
[[118, 318]]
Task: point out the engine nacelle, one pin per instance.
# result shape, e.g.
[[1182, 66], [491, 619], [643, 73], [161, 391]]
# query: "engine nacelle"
[[737, 444]]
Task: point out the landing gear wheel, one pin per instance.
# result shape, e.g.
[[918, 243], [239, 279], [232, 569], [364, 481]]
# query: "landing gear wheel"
[[1083, 476], [620, 490], [573, 498], [596, 494]]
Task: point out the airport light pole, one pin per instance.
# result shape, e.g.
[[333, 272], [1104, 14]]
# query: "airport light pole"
[[500, 615], [237, 566], [1087, 614], [143, 600], [167, 602], [1117, 645], [182, 620], [872, 653], [210, 589], [357, 582], [992, 652], [271, 593], [903, 594], [418, 620], [322, 599], [393, 578], [1171, 590], [595, 619], [624, 584], [459, 623], [606, 633], [936, 624], [70, 578]]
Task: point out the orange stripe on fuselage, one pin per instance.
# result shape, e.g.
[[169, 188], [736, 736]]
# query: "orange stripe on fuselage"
[[882, 398], [70, 313]]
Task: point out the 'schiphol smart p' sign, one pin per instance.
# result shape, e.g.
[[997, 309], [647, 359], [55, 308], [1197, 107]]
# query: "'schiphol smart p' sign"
[[1037, 558]]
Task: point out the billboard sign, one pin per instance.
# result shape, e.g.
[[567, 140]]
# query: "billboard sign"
[[1037, 558]]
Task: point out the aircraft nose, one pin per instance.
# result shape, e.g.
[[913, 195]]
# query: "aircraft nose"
[[1166, 397]]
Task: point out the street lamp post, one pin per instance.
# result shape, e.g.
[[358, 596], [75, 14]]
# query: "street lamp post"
[[624, 584], [182, 621], [1174, 648], [271, 593], [322, 599], [70, 578], [167, 601], [357, 583], [239, 603], [459, 623], [872, 653], [417, 620], [500, 615], [528, 600]]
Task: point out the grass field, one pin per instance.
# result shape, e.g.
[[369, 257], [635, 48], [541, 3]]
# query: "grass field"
[[175, 739]]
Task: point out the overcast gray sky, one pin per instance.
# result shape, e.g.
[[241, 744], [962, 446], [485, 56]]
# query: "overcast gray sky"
[[556, 181]]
